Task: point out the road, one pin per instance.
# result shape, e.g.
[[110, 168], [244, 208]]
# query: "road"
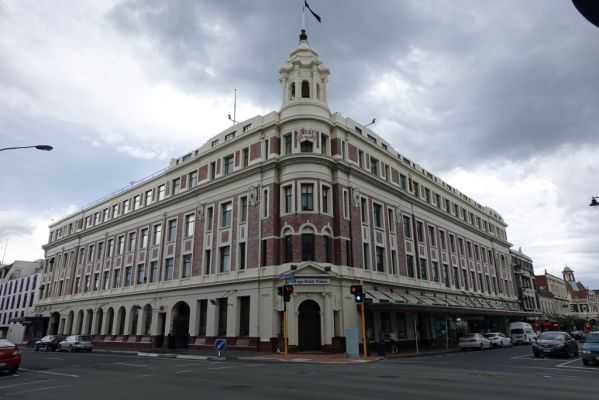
[[492, 374]]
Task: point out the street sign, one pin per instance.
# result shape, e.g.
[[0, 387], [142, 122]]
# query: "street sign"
[[220, 345], [286, 276]]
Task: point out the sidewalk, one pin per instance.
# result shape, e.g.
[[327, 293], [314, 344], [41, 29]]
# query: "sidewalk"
[[299, 357]]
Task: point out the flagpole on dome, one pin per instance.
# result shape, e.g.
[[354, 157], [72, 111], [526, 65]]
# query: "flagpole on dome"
[[303, 15]]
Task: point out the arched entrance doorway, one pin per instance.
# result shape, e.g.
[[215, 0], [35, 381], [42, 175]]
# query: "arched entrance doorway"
[[180, 333], [308, 326]]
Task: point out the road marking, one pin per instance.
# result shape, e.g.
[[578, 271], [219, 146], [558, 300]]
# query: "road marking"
[[568, 362], [132, 365], [522, 356], [142, 376], [26, 383], [220, 367], [53, 358], [38, 389], [49, 373], [181, 372]]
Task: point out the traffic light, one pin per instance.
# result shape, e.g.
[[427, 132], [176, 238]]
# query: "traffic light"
[[287, 290], [358, 293], [280, 290]]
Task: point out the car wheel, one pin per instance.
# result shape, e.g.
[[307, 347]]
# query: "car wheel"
[[463, 349], [537, 355], [46, 348], [585, 362], [500, 345], [567, 353], [13, 370], [70, 349], [481, 347], [35, 348]]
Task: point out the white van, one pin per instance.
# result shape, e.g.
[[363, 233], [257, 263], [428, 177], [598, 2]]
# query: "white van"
[[522, 333]]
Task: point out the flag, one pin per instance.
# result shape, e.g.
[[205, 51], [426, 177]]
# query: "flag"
[[313, 13]]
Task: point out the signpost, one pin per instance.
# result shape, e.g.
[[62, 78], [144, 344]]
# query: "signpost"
[[220, 345]]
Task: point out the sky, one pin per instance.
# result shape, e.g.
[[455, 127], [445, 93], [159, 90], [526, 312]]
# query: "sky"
[[498, 98]]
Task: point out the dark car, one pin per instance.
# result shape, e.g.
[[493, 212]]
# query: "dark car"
[[10, 356], [590, 348], [578, 335], [555, 343], [48, 343]]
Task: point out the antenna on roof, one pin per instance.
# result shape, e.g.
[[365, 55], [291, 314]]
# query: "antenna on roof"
[[234, 119]]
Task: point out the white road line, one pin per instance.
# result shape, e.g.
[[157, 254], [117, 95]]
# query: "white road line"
[[38, 389], [181, 372], [132, 365], [220, 367], [49, 373], [522, 356], [53, 358], [26, 383], [568, 362], [142, 376]]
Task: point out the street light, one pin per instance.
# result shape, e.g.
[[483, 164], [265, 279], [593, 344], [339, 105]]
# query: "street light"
[[370, 123], [43, 147], [594, 202]]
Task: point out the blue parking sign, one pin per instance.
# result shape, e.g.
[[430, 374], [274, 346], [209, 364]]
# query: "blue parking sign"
[[220, 345]]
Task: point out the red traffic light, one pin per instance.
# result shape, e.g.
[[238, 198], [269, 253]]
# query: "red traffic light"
[[287, 290], [358, 293]]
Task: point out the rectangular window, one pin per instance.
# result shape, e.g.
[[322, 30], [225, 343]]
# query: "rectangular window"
[[374, 166], [176, 186], [90, 254], [325, 199], [423, 269], [193, 179], [366, 250], [222, 316], [451, 243], [161, 192], [419, 231], [377, 211], [213, 170], [186, 266], [465, 279], [380, 257], [169, 269], [131, 242], [407, 227], [326, 242], [228, 163], [207, 261], [141, 274], [403, 181], [360, 158], [393, 262], [345, 204], [307, 197], [116, 283], [226, 211], [144, 239], [225, 259], [136, 202], [128, 276], [307, 247], [96, 218], [106, 283], [442, 240], [391, 220], [153, 271], [265, 206], [244, 210], [110, 249], [157, 235], [209, 216], [288, 144], [171, 233], [323, 144], [431, 235], [87, 283], [96, 281], [189, 225], [100, 254], [120, 245], [115, 211], [364, 210], [435, 271], [461, 246], [126, 207], [241, 256], [148, 197], [288, 199], [456, 278], [245, 156], [105, 217], [469, 248]]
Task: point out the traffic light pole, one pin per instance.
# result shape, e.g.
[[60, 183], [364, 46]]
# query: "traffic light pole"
[[285, 328], [364, 342]]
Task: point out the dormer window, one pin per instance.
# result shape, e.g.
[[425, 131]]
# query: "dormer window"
[[305, 90]]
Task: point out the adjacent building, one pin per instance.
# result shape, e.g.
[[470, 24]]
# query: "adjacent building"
[[584, 302], [18, 298], [524, 280], [302, 195], [553, 297]]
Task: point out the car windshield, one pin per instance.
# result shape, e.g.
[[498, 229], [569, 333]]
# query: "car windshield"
[[85, 338], [552, 336], [4, 344], [592, 338], [517, 331]]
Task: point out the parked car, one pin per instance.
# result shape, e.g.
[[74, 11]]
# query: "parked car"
[[590, 348], [48, 343], [578, 335], [474, 341], [76, 343], [10, 356], [522, 333], [498, 339], [555, 343]]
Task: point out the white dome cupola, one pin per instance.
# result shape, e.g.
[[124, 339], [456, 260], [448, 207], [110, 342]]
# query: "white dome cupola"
[[304, 78]]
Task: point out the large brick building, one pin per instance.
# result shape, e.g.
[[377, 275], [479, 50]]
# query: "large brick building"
[[197, 251]]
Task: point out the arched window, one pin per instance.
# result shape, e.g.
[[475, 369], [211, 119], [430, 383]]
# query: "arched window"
[[288, 244], [305, 89], [308, 244], [292, 91]]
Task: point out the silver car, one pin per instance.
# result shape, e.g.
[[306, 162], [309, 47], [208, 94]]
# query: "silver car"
[[76, 343]]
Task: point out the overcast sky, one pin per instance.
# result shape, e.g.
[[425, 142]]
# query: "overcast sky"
[[498, 98]]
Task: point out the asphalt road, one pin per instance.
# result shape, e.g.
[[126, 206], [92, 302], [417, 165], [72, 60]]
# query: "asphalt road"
[[490, 374]]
